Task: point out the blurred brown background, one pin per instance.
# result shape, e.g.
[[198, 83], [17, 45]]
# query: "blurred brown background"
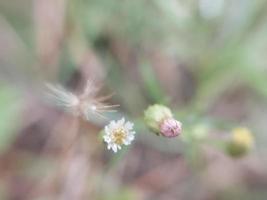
[[206, 59]]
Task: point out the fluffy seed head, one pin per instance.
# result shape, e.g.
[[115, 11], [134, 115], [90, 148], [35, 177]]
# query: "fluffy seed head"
[[86, 105]]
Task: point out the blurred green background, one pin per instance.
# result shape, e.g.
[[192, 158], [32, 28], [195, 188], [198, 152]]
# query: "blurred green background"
[[206, 59]]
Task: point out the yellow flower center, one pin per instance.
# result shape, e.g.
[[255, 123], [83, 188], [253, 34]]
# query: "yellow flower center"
[[118, 136]]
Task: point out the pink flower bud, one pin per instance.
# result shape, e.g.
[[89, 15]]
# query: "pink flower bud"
[[170, 128]]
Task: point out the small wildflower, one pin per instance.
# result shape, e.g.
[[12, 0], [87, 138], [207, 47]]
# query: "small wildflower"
[[87, 105], [240, 143], [159, 119], [118, 133]]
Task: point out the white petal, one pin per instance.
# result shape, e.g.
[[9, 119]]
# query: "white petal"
[[130, 137], [107, 139], [121, 122], [126, 142], [132, 132], [129, 125], [114, 148], [107, 130], [112, 125]]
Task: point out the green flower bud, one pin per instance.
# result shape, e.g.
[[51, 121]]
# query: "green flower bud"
[[154, 116]]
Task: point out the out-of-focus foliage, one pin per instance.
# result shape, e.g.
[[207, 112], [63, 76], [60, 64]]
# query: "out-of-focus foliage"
[[10, 106]]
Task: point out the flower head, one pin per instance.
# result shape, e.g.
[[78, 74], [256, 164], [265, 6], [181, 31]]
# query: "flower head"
[[159, 119], [154, 115], [171, 127], [118, 133]]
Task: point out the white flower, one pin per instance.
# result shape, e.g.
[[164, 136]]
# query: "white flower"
[[118, 133]]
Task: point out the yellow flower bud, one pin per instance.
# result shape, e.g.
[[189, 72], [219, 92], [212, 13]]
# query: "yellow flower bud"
[[241, 142]]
